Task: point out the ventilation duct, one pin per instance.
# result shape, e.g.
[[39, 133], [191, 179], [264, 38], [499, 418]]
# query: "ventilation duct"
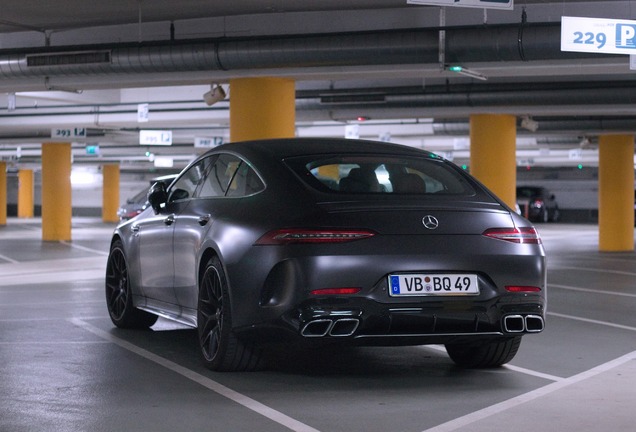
[[479, 44], [68, 58]]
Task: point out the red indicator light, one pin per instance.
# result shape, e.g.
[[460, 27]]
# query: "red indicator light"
[[515, 288], [335, 291]]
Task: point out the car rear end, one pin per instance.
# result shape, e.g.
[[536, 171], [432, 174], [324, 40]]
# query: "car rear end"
[[440, 264]]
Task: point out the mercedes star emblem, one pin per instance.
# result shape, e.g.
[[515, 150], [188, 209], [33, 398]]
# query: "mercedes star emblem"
[[430, 222]]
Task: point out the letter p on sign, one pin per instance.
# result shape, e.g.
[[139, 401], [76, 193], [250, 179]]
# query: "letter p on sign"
[[625, 36]]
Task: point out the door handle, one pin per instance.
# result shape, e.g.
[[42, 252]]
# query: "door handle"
[[169, 220], [134, 228], [203, 220]]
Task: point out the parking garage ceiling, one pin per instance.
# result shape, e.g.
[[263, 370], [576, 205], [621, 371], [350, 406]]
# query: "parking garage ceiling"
[[377, 63]]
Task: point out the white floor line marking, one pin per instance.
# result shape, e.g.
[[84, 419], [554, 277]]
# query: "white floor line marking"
[[40, 343], [605, 323], [519, 369], [220, 389], [476, 416], [533, 373], [595, 291], [6, 258], [84, 248], [35, 304], [597, 270]]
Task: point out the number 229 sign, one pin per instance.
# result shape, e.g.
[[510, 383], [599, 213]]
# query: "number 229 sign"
[[604, 36]]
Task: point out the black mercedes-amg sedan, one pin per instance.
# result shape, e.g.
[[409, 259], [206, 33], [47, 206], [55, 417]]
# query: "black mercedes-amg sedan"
[[329, 241]]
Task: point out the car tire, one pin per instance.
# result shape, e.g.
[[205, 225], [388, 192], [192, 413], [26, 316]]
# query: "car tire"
[[487, 355], [219, 347], [119, 295]]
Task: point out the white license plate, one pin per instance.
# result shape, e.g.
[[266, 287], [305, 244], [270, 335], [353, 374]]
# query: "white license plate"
[[433, 285]]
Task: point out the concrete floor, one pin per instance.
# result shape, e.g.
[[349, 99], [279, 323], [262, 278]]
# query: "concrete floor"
[[64, 367]]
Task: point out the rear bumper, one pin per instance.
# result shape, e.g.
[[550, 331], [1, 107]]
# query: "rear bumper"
[[362, 321]]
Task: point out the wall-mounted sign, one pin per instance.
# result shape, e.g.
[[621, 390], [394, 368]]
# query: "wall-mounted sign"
[[72, 132], [155, 137], [483, 4], [352, 131], [598, 35], [164, 162], [143, 112], [208, 142]]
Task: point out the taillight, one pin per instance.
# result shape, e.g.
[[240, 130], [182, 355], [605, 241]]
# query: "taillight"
[[336, 291], [537, 203], [522, 288], [525, 235], [299, 235]]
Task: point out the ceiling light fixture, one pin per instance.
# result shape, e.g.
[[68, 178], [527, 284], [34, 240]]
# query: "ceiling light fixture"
[[528, 124], [214, 95], [465, 71]]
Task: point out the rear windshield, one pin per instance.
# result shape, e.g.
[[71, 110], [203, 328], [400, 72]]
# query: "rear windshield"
[[382, 175]]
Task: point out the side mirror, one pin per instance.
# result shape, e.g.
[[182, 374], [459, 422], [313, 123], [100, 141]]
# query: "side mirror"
[[157, 196]]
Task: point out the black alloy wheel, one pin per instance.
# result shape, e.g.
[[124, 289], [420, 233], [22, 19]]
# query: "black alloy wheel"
[[220, 348], [118, 293]]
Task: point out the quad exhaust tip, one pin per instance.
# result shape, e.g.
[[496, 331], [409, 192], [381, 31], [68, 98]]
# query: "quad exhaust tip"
[[333, 327], [523, 323]]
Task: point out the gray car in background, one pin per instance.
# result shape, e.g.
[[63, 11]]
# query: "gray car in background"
[[329, 241]]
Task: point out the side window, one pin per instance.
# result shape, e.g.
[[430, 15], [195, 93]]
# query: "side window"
[[219, 176], [230, 176], [187, 184], [246, 182]]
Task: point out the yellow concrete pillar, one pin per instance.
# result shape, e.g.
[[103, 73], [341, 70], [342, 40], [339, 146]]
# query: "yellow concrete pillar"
[[110, 193], [616, 193], [493, 160], [56, 192], [262, 108], [3, 193], [25, 193]]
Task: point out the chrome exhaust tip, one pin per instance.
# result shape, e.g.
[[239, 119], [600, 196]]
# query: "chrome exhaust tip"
[[344, 327], [514, 324], [534, 323], [317, 328]]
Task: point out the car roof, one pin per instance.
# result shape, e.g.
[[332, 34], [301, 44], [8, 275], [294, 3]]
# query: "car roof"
[[291, 147]]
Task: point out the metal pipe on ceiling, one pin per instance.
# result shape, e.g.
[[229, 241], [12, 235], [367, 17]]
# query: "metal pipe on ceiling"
[[415, 46]]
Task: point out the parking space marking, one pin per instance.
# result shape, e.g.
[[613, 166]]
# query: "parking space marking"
[[7, 259], [590, 269], [484, 413], [518, 369], [46, 277], [247, 402], [595, 291], [84, 248], [592, 321], [533, 373]]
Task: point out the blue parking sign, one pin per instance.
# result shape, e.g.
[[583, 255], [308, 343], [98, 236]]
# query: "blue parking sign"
[[598, 35], [626, 36]]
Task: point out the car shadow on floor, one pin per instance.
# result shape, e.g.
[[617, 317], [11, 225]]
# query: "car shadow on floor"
[[179, 344]]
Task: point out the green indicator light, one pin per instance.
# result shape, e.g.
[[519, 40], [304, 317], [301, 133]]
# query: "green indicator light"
[[580, 166], [455, 68], [464, 167]]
